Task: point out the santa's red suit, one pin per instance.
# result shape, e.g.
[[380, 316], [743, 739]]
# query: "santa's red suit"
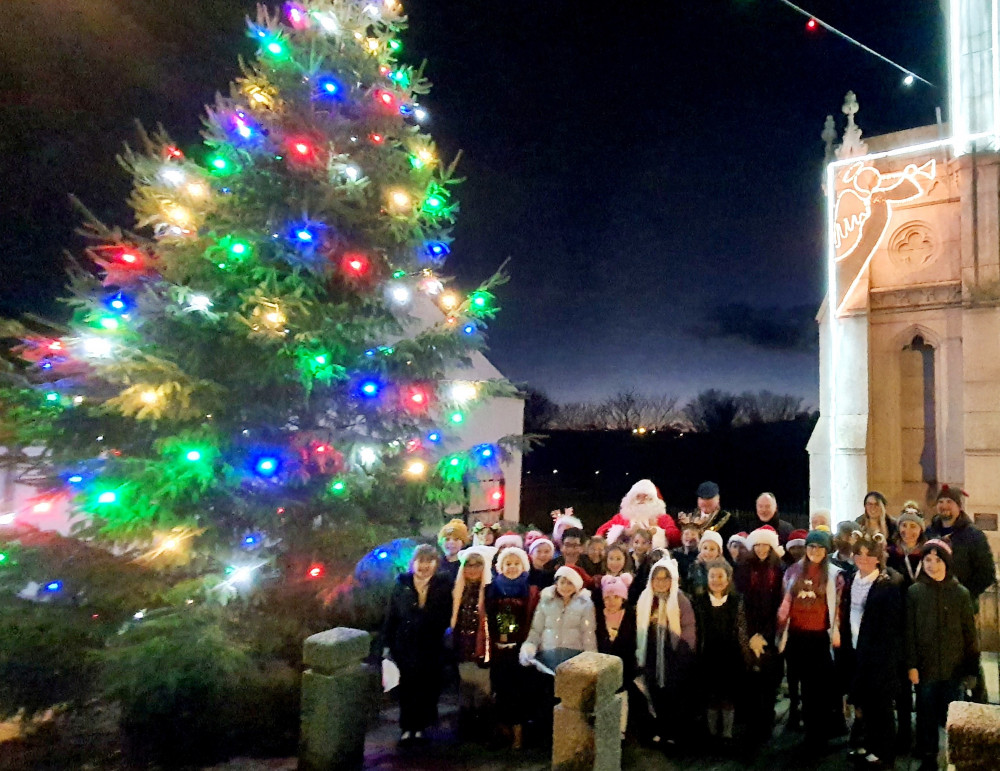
[[643, 507]]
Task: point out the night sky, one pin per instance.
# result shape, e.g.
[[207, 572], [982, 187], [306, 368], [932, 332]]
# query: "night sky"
[[651, 169]]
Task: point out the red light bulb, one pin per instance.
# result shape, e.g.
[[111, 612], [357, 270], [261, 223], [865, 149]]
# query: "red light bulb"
[[322, 448], [355, 263], [811, 24], [497, 495], [315, 571], [385, 98], [172, 152], [377, 139]]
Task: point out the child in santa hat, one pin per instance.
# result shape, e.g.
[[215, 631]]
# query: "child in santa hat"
[[564, 624], [452, 538], [759, 579], [562, 521], [737, 548], [665, 651], [507, 608], [709, 550], [723, 647], [795, 547], [467, 604], [542, 553]]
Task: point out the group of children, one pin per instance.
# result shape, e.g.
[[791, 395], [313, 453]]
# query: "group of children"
[[705, 631]]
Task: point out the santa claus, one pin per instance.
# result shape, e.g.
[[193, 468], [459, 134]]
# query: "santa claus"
[[644, 508]]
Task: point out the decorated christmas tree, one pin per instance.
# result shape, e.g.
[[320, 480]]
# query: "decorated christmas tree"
[[259, 375]]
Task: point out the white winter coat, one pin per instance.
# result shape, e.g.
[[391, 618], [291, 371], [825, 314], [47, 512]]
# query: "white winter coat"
[[561, 625]]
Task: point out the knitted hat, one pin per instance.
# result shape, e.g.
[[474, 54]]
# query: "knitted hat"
[[910, 516], [616, 586], [540, 542], [740, 537], [713, 536], [518, 552], [508, 539], [571, 575], [941, 548], [954, 493], [766, 534], [486, 552], [820, 538], [454, 529], [797, 538]]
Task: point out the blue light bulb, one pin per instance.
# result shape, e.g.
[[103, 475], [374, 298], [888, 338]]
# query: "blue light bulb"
[[369, 388], [434, 436], [267, 466], [53, 586], [436, 249], [469, 329]]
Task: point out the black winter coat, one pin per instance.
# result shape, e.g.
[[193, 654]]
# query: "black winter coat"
[[941, 641], [874, 667], [972, 560], [623, 646], [415, 635]]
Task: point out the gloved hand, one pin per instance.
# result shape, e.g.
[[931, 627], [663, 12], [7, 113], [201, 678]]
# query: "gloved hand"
[[527, 654], [757, 644]]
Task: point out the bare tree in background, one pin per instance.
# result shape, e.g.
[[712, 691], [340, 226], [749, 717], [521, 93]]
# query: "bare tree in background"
[[713, 410], [624, 410], [768, 407], [581, 416]]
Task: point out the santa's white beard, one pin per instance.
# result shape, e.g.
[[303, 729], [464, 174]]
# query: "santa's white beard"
[[644, 514]]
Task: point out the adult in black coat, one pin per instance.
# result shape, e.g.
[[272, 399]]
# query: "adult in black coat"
[[972, 560], [418, 614], [871, 647]]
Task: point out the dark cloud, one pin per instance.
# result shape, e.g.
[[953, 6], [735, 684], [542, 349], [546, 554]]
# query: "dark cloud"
[[774, 328]]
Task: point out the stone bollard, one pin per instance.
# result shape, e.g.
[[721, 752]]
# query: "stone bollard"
[[973, 736], [586, 728], [340, 696]]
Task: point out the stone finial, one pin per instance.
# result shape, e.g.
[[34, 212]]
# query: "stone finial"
[[852, 146], [973, 736], [829, 136]]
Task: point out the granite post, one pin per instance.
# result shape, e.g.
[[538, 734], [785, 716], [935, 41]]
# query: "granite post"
[[340, 697], [586, 728], [973, 736]]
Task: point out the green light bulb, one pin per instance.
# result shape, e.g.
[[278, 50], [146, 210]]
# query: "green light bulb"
[[108, 322], [321, 359], [399, 274], [395, 46], [457, 417], [338, 487], [193, 455], [52, 396]]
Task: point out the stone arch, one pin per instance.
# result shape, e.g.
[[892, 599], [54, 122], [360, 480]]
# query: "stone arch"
[[905, 338]]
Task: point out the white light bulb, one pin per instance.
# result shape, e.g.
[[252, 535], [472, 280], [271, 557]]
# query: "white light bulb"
[[149, 397], [908, 80], [464, 391], [420, 114], [400, 294], [172, 175], [8, 519], [327, 21], [367, 456], [199, 302], [241, 575], [96, 346], [352, 173]]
